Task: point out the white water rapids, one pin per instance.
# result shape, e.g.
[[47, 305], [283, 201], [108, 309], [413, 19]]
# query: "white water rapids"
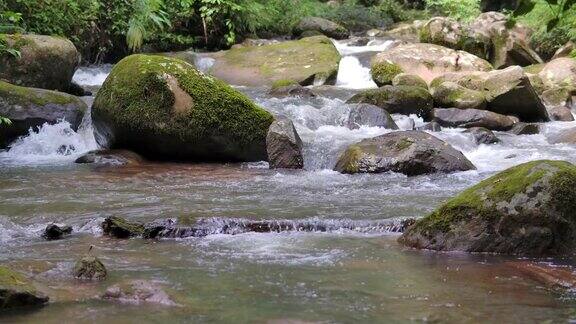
[[319, 121]]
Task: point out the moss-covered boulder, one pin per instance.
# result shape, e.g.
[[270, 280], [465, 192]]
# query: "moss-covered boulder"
[[525, 210], [321, 26], [163, 108], [89, 268], [30, 108], [559, 73], [17, 291], [119, 227], [452, 95], [45, 62], [404, 79], [409, 152], [467, 118], [311, 60], [427, 61], [404, 100]]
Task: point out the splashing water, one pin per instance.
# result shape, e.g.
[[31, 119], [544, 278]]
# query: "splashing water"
[[351, 74], [92, 75]]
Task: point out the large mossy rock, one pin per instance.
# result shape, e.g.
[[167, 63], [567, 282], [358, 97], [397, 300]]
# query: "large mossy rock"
[[45, 62], [163, 108], [525, 210], [31, 108], [409, 152], [560, 72], [311, 25], [17, 291], [427, 61], [119, 227], [452, 95], [450, 33], [307, 61], [404, 100], [468, 118]]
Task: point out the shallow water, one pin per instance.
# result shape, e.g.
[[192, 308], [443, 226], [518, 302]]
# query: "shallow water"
[[356, 272]]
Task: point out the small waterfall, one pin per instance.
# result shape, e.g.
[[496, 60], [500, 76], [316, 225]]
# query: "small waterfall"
[[351, 74], [92, 76], [52, 143], [204, 64]]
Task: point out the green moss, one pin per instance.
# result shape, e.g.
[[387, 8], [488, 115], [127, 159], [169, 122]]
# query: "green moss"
[[12, 279], [573, 54], [481, 199], [404, 144], [384, 72], [283, 83], [534, 68], [293, 60], [137, 99], [22, 96], [349, 162]]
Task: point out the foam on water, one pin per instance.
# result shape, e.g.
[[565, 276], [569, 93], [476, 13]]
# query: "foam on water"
[[92, 75], [352, 75], [376, 45]]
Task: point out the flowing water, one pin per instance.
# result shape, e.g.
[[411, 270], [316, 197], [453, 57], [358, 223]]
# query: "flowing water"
[[351, 271]]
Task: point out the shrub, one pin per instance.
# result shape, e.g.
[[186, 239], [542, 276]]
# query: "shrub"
[[464, 10]]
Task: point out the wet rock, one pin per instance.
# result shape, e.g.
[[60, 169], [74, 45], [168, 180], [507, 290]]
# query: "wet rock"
[[55, 232], [407, 32], [483, 135], [509, 92], [452, 95], [308, 61], [525, 210], [76, 90], [558, 96], [468, 118], [431, 126], [404, 100], [359, 41], [427, 61], [137, 292], [404, 79], [284, 145], [450, 33], [174, 118], [16, 291], [369, 115], [110, 158], [565, 136], [525, 129], [409, 152], [118, 227], [89, 268], [560, 113], [31, 108], [293, 90], [321, 26], [45, 62]]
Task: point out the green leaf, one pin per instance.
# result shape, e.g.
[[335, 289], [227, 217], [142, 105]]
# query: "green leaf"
[[524, 7]]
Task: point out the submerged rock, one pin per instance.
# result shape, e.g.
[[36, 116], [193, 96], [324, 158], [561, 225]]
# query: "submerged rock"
[[137, 292], [31, 108], [427, 61], [291, 90], [565, 136], [468, 118], [284, 145], [311, 60], [55, 232], [369, 115], [409, 152], [404, 100], [119, 227], [163, 108], [90, 268], [45, 62], [560, 113], [110, 158], [311, 25], [431, 126], [483, 135], [16, 291], [524, 210]]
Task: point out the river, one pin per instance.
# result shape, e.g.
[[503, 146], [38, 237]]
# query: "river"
[[354, 272]]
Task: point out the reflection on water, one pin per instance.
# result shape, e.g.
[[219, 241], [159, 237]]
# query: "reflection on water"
[[291, 277]]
